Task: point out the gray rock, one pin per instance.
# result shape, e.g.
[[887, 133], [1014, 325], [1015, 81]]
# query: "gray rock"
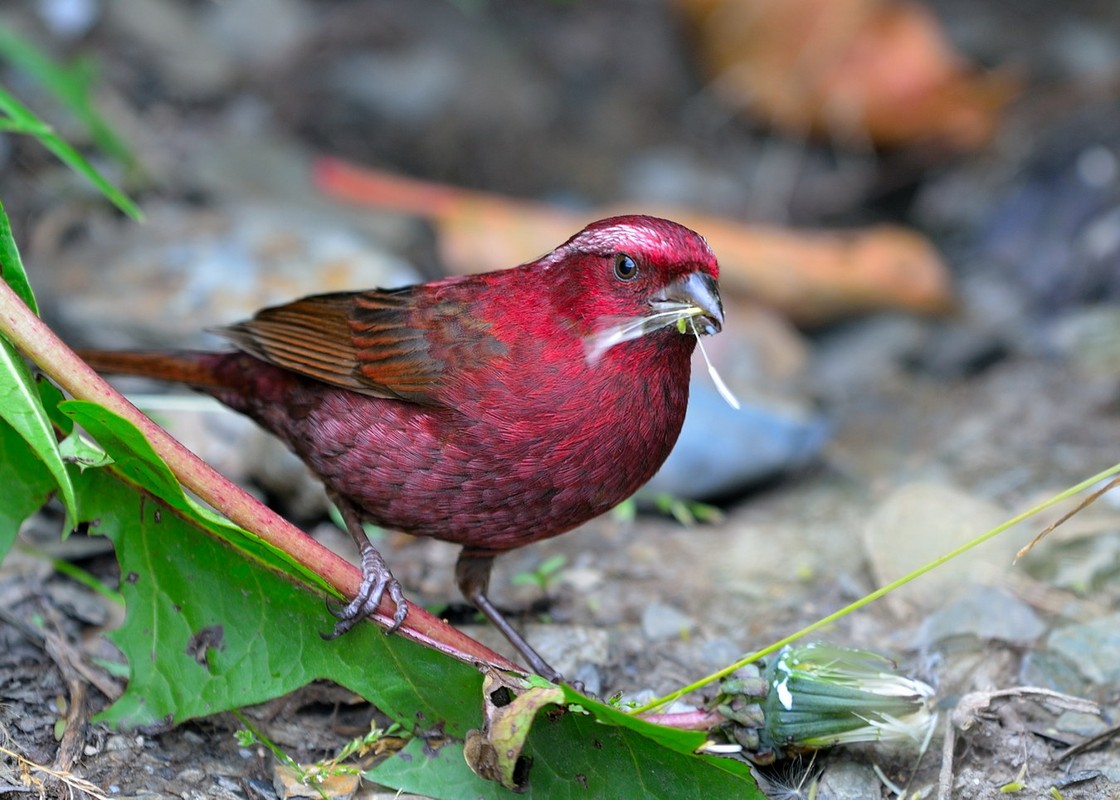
[[986, 612], [258, 32], [660, 621], [1080, 723], [1093, 647], [721, 449], [922, 521], [570, 649], [1051, 670], [1090, 335], [849, 781], [720, 652]]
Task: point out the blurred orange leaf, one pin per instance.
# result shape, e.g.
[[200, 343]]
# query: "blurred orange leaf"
[[812, 277], [857, 71]]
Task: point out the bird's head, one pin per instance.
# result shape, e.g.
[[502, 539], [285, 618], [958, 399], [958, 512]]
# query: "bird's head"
[[627, 277]]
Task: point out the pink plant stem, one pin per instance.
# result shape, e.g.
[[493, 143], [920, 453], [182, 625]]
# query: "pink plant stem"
[[39, 343], [686, 720]]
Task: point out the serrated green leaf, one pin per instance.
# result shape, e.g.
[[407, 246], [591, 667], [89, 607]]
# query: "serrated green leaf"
[[209, 629]]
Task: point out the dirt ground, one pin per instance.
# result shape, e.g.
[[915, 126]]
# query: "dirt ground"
[[939, 428]]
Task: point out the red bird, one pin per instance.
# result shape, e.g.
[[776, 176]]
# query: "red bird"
[[492, 410]]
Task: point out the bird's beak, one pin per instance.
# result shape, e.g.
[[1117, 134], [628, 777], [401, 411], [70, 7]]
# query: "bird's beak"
[[699, 291]]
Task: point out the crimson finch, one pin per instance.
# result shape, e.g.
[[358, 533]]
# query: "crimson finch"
[[490, 411]]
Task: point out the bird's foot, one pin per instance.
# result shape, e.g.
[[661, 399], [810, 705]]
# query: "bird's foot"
[[376, 581]]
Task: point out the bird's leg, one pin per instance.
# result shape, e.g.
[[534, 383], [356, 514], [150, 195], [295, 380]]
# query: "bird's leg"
[[376, 578], [472, 571]]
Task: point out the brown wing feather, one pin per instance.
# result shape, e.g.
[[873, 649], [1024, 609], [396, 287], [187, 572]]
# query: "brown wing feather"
[[378, 342], [390, 333]]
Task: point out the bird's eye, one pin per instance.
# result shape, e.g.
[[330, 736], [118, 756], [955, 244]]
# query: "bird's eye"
[[625, 267]]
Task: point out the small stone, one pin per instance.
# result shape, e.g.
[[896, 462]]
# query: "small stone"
[[590, 677], [582, 580], [922, 521], [722, 450], [1080, 723], [848, 781], [180, 51], [719, 652], [986, 612], [190, 775], [1093, 647], [1051, 670], [660, 622], [192, 268]]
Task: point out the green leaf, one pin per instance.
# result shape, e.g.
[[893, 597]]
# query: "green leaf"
[[11, 265], [208, 628], [574, 756], [27, 484], [71, 84], [20, 403], [135, 460], [133, 455], [20, 119], [21, 408]]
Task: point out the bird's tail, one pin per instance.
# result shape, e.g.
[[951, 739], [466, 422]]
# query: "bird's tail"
[[199, 369]]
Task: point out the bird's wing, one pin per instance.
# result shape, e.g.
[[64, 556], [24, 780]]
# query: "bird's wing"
[[403, 344]]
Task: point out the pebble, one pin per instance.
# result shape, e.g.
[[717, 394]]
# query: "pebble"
[[1093, 647], [850, 357], [1081, 723], [1051, 670], [257, 32], [848, 781], [190, 775], [570, 649], [919, 522], [660, 621], [412, 84], [1089, 336], [719, 652], [69, 19], [986, 612], [722, 450]]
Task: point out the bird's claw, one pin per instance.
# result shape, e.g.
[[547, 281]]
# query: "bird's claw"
[[376, 581]]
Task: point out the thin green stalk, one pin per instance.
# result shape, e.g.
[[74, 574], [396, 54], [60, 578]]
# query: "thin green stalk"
[[875, 595]]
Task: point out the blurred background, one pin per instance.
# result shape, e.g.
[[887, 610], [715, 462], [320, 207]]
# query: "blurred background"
[[916, 207]]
